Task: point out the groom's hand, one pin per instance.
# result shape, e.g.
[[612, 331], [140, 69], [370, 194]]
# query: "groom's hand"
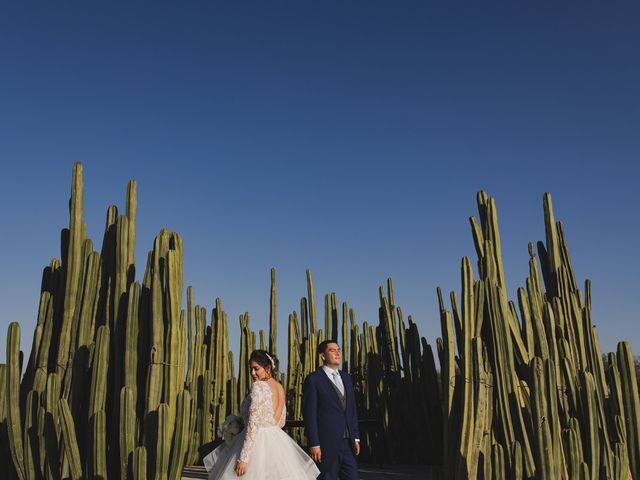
[[357, 442], [316, 454]]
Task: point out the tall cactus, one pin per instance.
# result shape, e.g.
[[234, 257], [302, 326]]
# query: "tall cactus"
[[154, 383], [70, 440], [163, 443], [273, 318], [30, 439], [127, 429], [312, 304], [631, 405], [541, 421], [140, 464], [12, 392], [180, 438], [132, 337], [464, 467], [72, 265], [590, 425], [98, 391], [174, 364], [131, 213], [98, 467]]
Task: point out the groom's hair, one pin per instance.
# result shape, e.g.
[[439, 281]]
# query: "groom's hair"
[[322, 347]]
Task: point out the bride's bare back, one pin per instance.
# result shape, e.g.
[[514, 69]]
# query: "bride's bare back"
[[277, 397]]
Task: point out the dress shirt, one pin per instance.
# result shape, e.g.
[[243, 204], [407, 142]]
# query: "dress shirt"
[[334, 376]]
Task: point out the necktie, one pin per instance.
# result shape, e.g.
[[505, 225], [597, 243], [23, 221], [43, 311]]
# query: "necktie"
[[336, 380]]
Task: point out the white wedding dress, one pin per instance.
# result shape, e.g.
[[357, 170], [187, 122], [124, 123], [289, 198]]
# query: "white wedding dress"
[[269, 452]]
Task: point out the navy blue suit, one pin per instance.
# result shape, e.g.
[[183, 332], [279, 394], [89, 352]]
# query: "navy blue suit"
[[326, 422]]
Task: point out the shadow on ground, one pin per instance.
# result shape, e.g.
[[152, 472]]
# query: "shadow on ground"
[[390, 472]]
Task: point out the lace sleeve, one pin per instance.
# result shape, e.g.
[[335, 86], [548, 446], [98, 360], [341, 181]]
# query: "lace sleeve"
[[258, 416]]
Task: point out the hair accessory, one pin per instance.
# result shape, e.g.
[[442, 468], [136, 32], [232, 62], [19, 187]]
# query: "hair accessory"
[[273, 364]]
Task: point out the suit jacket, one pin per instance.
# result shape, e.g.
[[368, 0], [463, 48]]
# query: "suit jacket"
[[325, 419]]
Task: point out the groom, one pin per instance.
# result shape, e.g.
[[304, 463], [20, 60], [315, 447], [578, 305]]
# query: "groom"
[[330, 421]]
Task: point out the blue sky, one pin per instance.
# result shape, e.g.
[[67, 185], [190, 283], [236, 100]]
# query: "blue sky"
[[346, 137]]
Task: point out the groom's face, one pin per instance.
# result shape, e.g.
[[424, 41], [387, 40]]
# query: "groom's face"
[[332, 356]]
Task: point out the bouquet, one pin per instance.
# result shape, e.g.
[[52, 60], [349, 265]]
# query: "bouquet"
[[232, 426]]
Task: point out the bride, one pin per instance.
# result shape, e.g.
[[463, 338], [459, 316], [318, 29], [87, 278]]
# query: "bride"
[[262, 450]]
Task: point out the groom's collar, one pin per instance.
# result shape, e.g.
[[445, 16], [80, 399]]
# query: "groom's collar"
[[329, 371]]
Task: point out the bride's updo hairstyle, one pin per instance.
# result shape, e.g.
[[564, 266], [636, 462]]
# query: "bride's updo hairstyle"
[[266, 360]]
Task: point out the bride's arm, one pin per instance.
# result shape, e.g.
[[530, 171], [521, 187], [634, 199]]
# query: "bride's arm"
[[256, 414]]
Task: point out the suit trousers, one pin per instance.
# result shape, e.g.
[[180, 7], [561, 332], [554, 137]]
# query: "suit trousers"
[[344, 467]]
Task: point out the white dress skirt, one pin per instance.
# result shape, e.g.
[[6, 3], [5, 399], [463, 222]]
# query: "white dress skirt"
[[269, 452]]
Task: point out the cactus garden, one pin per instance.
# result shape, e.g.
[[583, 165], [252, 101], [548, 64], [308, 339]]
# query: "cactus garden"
[[128, 378]]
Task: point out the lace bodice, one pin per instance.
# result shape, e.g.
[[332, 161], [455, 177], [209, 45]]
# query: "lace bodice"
[[257, 412]]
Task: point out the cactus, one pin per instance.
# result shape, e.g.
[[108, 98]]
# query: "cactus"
[[390, 341], [127, 432], [163, 443], [542, 440], [573, 453], [559, 469], [273, 319], [12, 392], [526, 396], [192, 343], [180, 438], [132, 335], [131, 211], [590, 425], [72, 266], [98, 393], [51, 422], [70, 441], [41, 442], [312, 304], [4, 453], [154, 382], [481, 406], [467, 421], [447, 363], [140, 463], [497, 461], [99, 447], [30, 440], [516, 462], [631, 405], [43, 348]]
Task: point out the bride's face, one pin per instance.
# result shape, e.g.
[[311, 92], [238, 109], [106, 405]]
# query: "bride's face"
[[257, 371]]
